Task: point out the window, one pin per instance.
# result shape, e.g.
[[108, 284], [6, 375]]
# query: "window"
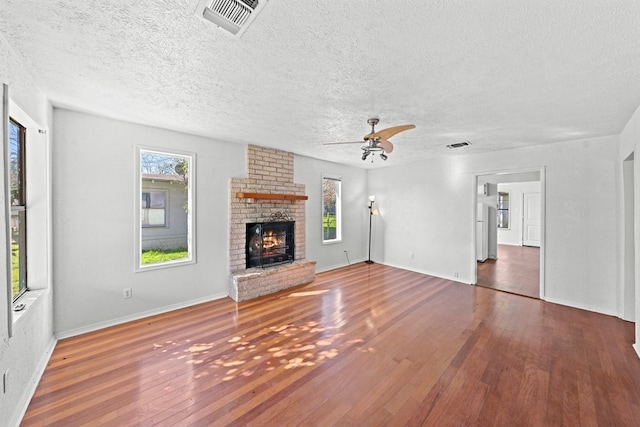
[[153, 208], [331, 209], [503, 209], [165, 214], [17, 174]]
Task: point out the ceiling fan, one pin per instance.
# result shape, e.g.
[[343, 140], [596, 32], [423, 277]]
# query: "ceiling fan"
[[377, 142]]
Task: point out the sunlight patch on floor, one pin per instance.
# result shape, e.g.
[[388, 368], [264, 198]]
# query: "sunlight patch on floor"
[[287, 347], [308, 293]]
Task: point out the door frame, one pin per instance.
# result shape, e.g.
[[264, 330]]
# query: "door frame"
[[627, 298], [472, 259]]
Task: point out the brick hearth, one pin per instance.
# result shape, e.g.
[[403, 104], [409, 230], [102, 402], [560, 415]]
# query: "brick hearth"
[[269, 171]]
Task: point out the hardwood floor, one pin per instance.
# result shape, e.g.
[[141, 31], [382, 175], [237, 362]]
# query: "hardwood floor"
[[517, 270], [363, 345]]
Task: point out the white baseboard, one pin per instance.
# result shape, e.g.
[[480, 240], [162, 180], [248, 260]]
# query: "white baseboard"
[[580, 306], [333, 267], [429, 273], [136, 316], [29, 391], [636, 347], [551, 300]]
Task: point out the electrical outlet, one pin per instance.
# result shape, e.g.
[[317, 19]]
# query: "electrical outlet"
[[456, 274], [413, 255], [126, 293]]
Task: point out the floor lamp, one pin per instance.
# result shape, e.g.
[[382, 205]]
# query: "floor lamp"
[[372, 212]]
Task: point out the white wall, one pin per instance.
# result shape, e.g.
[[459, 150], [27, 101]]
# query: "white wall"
[[430, 211], [25, 354], [354, 211], [513, 234], [425, 221], [94, 187]]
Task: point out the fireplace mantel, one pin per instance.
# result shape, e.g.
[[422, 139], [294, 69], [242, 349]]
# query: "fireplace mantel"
[[270, 196]]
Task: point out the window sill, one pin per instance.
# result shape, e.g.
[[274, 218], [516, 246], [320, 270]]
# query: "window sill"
[[29, 299], [331, 242], [165, 264]]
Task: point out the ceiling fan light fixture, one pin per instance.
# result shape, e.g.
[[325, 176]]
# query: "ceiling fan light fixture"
[[377, 142]]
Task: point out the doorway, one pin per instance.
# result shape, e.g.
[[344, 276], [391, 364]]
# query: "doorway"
[[515, 243]]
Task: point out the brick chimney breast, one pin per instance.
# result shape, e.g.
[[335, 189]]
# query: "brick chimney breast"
[[269, 171]]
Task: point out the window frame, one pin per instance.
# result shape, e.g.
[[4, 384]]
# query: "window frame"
[[338, 209], [191, 214], [37, 156], [19, 210]]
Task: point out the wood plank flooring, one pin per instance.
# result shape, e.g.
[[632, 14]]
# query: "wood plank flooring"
[[517, 270], [363, 345]]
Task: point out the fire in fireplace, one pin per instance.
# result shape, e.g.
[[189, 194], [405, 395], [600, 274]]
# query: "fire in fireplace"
[[270, 243]]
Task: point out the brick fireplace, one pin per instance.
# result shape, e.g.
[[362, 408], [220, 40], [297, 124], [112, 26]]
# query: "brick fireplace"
[[267, 192]]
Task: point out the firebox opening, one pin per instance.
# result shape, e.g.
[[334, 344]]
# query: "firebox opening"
[[270, 243]]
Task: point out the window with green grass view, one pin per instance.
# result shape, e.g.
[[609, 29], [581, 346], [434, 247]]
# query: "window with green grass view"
[[165, 182], [17, 174], [331, 209]]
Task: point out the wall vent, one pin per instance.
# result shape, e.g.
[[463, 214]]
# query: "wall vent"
[[231, 15], [459, 144]]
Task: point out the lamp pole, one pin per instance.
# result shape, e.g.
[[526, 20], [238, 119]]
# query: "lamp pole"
[[371, 200]]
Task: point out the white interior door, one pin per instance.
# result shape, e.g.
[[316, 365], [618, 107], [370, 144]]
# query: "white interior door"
[[531, 224]]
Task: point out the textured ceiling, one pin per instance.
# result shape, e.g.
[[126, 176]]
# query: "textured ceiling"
[[500, 74]]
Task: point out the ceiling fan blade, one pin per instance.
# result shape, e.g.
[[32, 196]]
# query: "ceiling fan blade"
[[389, 132], [347, 142], [387, 146]]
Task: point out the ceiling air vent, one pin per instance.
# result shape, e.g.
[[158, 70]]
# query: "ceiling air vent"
[[231, 15], [459, 144]]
